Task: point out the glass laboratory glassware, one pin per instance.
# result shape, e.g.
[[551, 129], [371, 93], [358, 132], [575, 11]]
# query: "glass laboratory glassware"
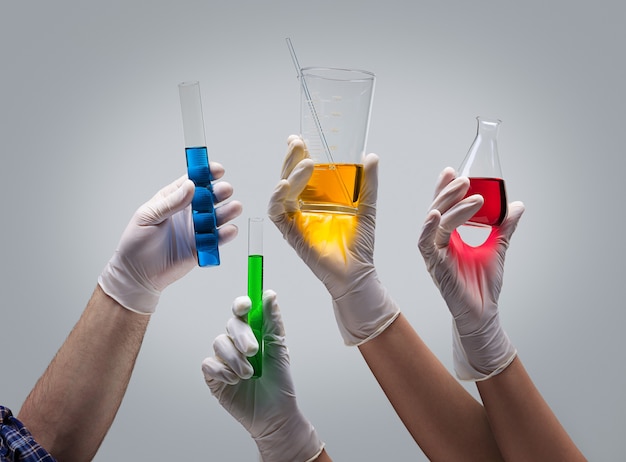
[[198, 171], [255, 289], [334, 120], [482, 166]]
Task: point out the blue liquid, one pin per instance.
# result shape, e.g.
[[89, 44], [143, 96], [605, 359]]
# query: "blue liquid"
[[202, 206]]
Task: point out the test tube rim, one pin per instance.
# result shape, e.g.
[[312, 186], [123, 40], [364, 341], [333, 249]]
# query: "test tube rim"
[[189, 83]]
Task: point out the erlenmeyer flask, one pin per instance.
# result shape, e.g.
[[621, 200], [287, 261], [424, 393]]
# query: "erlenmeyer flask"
[[482, 166]]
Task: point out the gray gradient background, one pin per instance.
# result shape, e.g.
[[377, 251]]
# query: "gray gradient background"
[[90, 128]]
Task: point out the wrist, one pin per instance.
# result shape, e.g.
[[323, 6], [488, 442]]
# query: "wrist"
[[365, 311], [117, 282], [295, 441], [482, 354]]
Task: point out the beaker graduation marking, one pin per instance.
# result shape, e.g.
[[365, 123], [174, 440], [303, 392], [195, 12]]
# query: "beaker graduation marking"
[[309, 100], [316, 120]]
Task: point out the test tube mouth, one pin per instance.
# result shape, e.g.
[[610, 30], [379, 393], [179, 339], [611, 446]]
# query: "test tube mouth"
[[191, 107], [255, 236]]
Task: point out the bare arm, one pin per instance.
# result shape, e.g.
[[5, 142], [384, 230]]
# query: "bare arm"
[[470, 279], [443, 418], [72, 406], [75, 401], [524, 425], [323, 457]]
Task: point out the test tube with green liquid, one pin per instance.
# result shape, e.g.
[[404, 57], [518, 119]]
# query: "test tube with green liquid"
[[255, 289]]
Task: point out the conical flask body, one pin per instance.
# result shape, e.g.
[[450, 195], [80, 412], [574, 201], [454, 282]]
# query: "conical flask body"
[[482, 166]]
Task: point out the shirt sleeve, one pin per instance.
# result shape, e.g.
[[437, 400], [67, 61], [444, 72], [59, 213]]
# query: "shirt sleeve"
[[16, 442]]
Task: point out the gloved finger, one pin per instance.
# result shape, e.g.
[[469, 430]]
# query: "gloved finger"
[[426, 241], [369, 186], [276, 206], [239, 330], [217, 170], [241, 306], [170, 188], [298, 178], [462, 211], [167, 202], [228, 353], [242, 336], [215, 370], [222, 191], [227, 212], [515, 211], [280, 213], [293, 137], [445, 177], [296, 151], [452, 193], [456, 216], [272, 318], [285, 196], [227, 233]]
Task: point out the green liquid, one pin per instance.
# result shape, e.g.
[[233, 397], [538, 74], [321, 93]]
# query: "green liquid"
[[255, 315]]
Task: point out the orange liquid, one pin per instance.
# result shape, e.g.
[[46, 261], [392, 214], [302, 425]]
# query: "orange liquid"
[[329, 234], [333, 188]]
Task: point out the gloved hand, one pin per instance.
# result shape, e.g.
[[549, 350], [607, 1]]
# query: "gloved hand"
[[158, 245], [469, 278], [265, 406], [338, 249]]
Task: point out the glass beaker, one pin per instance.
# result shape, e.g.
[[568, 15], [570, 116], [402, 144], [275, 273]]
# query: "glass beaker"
[[482, 166], [334, 121]]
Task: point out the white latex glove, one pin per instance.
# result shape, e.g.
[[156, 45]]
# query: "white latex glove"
[[158, 245], [469, 278], [345, 261], [265, 406]]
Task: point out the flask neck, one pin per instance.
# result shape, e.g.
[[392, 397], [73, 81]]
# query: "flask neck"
[[488, 128], [482, 157]]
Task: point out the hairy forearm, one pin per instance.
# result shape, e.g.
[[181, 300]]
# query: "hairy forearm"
[[72, 406], [524, 425], [443, 418]]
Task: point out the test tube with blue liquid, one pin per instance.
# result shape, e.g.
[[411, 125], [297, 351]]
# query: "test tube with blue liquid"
[[255, 289], [198, 171]]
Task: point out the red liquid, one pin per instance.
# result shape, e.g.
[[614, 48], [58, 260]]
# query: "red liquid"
[[493, 211]]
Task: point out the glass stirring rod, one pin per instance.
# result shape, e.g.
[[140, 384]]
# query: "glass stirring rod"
[[198, 171], [255, 289], [309, 100]]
